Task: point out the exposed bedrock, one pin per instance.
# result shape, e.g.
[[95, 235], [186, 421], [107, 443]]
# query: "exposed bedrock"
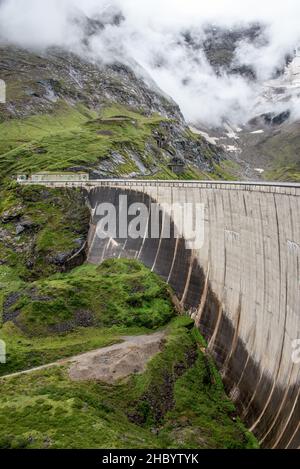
[[242, 287]]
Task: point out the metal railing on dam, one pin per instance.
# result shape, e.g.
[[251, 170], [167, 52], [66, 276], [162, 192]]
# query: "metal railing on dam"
[[242, 286], [282, 187]]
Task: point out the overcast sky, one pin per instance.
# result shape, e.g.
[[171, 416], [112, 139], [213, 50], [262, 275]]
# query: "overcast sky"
[[149, 35]]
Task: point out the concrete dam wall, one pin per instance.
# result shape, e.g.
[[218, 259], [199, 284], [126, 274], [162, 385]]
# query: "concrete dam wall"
[[242, 287]]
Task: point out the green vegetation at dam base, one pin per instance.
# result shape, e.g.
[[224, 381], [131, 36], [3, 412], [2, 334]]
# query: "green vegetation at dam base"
[[178, 402], [90, 307]]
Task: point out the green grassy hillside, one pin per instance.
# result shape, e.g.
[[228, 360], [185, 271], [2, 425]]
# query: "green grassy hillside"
[[179, 402], [116, 142]]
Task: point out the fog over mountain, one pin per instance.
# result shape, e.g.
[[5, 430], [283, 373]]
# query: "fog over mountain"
[[173, 42]]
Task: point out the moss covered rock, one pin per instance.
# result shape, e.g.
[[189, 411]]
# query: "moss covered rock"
[[40, 230]]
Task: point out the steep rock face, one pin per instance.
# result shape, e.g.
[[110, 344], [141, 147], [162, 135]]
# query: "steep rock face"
[[35, 82], [219, 46], [274, 148], [42, 231]]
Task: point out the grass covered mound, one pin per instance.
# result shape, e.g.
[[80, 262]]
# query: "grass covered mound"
[[179, 402], [84, 309], [115, 293]]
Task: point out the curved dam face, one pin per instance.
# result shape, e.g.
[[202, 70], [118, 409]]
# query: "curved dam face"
[[242, 287]]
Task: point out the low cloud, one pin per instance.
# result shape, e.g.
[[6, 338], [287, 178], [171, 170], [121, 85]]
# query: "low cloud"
[[150, 34]]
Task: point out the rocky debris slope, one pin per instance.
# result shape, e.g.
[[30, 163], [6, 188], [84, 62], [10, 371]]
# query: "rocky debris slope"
[[116, 362], [35, 82]]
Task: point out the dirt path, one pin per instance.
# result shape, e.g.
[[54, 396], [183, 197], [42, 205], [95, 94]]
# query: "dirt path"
[[108, 364], [112, 363], [38, 368]]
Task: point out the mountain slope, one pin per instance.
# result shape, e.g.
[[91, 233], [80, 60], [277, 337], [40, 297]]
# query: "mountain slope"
[[63, 112]]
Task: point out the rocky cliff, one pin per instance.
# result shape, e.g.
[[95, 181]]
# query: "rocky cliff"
[[82, 115]]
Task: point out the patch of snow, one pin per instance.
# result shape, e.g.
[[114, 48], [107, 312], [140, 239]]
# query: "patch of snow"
[[283, 88], [231, 133], [232, 148], [212, 140], [196, 131], [257, 132], [237, 129], [259, 170]]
